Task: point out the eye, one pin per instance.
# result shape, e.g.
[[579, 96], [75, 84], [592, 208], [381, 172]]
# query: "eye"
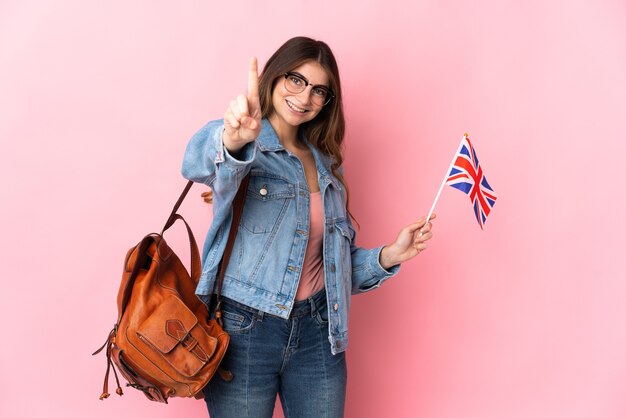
[[320, 91], [295, 80]]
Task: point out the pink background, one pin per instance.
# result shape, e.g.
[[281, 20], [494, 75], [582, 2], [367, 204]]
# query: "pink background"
[[525, 319]]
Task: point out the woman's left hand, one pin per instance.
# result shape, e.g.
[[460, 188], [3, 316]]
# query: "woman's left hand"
[[410, 242]]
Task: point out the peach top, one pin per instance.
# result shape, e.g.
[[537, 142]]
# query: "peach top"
[[312, 277]]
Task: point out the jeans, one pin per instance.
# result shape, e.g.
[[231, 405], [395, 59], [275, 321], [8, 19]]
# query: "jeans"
[[269, 355]]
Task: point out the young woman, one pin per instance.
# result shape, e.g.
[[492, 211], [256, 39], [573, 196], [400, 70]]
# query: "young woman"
[[294, 264]]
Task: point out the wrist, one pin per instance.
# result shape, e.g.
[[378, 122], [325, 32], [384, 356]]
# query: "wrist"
[[388, 257], [231, 146]]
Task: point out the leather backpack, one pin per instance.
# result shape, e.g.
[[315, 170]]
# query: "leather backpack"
[[164, 343]]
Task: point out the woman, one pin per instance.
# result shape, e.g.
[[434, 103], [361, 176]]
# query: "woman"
[[294, 264]]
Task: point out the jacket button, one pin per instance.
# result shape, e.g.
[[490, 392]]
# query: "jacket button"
[[263, 192], [332, 267], [336, 306]]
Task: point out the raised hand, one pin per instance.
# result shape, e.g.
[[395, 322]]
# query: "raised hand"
[[410, 242], [242, 120]]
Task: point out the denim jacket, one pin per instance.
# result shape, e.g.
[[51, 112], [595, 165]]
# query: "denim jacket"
[[268, 253]]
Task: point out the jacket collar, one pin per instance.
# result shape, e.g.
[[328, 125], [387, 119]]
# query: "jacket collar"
[[268, 141]]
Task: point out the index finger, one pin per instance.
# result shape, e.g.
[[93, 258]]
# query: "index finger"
[[253, 80]]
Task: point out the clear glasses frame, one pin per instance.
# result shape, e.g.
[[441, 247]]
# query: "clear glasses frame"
[[320, 94]]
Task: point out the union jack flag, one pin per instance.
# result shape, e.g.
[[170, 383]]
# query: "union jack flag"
[[467, 175]]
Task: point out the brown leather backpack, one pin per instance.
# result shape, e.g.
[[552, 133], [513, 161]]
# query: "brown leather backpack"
[[163, 342]]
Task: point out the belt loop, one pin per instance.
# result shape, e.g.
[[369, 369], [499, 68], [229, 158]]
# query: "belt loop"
[[313, 306]]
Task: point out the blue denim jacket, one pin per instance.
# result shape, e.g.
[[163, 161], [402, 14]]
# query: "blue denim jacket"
[[268, 253]]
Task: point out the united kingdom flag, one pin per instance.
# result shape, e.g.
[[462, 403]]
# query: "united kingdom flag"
[[467, 175]]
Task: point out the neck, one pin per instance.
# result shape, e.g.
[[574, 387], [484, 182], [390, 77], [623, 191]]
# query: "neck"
[[287, 134]]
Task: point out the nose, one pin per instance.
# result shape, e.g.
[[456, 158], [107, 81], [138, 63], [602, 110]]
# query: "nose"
[[305, 95]]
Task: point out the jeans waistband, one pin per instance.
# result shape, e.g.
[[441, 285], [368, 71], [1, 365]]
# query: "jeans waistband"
[[306, 306], [309, 305]]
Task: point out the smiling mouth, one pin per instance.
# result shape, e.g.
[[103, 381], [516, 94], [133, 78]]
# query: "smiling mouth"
[[295, 108]]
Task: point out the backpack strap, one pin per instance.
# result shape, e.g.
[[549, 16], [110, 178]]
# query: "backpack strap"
[[172, 217], [238, 203]]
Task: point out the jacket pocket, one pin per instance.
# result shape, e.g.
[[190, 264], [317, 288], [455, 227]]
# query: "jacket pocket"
[[268, 198], [344, 246], [345, 229]]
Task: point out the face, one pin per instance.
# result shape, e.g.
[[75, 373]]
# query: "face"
[[294, 109]]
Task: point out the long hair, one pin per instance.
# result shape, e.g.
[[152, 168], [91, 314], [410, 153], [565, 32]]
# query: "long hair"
[[326, 131]]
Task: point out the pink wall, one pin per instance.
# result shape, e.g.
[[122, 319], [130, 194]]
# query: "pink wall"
[[525, 319]]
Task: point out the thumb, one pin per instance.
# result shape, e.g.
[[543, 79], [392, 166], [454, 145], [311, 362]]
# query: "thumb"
[[414, 226], [249, 122]]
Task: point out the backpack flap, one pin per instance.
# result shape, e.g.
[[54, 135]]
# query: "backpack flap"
[[174, 333]]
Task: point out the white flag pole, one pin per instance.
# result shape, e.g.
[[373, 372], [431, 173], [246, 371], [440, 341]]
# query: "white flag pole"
[[445, 177]]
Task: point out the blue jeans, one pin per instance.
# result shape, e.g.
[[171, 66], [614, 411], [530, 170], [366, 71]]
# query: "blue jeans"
[[269, 355]]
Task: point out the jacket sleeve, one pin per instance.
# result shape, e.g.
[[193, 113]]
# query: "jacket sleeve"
[[367, 272], [207, 161]]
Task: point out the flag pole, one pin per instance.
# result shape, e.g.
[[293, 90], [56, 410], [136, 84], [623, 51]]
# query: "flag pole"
[[445, 177]]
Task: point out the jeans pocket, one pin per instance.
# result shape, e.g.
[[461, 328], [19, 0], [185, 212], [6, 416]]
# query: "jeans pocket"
[[236, 320], [321, 316]]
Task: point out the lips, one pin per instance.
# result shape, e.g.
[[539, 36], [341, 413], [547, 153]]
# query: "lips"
[[295, 108]]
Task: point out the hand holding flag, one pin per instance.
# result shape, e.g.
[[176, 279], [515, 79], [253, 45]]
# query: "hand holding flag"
[[410, 242]]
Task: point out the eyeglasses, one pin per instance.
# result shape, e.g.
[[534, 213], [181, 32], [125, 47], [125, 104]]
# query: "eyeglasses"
[[295, 83]]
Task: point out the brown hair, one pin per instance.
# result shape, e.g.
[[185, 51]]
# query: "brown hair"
[[326, 131]]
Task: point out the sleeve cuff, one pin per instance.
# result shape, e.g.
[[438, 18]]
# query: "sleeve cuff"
[[377, 269], [378, 273], [244, 157]]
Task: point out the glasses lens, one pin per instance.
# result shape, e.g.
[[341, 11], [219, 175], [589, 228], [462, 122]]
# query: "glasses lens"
[[294, 83], [320, 95]]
